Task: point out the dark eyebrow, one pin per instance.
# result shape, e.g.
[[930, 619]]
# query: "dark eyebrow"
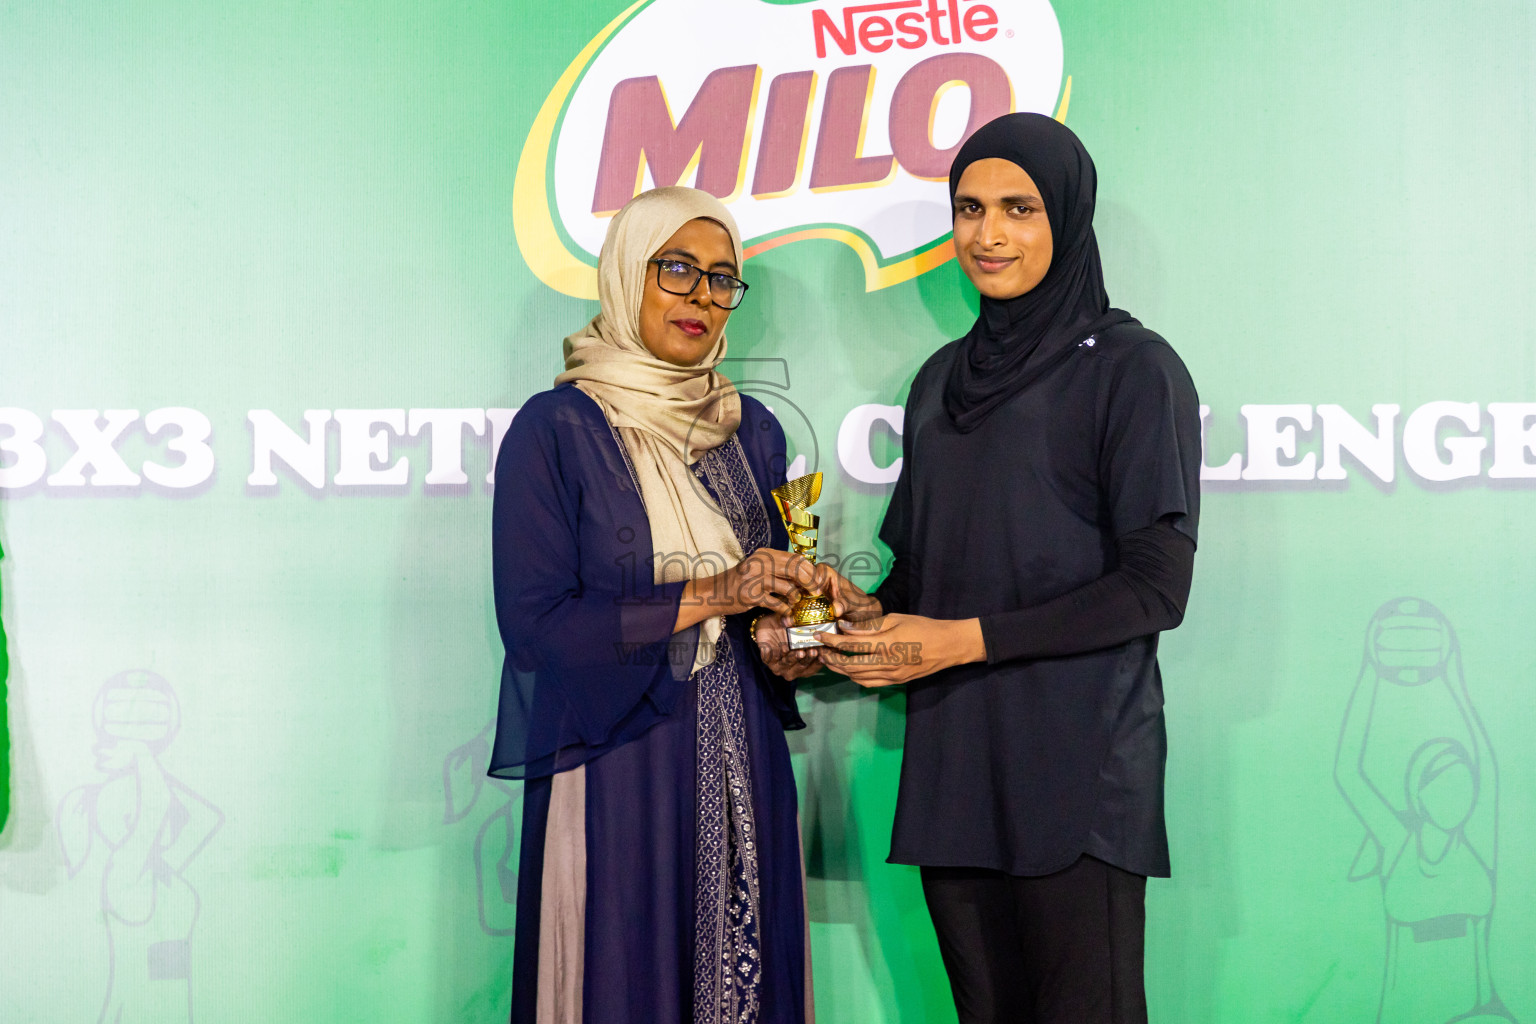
[[1019, 200]]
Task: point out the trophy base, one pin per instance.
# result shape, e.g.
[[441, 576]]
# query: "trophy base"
[[801, 637]]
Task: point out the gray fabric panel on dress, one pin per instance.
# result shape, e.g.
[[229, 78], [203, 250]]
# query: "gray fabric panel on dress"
[[563, 900], [805, 909]]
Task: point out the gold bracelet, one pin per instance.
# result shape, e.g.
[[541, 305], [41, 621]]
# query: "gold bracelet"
[[752, 629]]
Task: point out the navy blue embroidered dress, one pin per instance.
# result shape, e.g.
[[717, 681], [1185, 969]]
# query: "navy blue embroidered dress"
[[691, 897]]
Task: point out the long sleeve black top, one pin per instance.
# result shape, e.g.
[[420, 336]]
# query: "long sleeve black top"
[[1066, 522]]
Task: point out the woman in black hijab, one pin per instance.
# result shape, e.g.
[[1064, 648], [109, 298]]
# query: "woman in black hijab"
[[1043, 531]]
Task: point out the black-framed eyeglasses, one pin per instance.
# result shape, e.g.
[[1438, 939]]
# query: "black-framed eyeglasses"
[[681, 278]]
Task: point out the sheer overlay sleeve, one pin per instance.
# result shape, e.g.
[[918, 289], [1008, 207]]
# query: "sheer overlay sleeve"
[[585, 630]]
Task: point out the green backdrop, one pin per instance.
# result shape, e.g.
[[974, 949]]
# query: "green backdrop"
[[248, 720]]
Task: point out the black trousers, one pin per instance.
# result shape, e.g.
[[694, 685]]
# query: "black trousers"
[[1058, 949]]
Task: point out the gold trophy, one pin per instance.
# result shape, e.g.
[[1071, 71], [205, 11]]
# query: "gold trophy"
[[812, 614]]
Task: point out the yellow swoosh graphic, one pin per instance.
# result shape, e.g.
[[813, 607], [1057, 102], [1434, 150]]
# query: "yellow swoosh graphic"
[[1066, 97], [532, 219]]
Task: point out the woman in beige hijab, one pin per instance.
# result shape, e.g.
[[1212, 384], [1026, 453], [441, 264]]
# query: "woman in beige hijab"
[[660, 875]]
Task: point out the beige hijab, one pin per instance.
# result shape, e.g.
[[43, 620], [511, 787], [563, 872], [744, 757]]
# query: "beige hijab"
[[666, 416]]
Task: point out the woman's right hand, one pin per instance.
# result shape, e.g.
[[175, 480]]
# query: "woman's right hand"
[[769, 579]]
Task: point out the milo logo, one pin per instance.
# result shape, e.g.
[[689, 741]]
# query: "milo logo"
[[814, 120]]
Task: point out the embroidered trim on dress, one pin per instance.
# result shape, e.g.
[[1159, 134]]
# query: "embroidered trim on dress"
[[728, 953], [728, 956], [729, 476]]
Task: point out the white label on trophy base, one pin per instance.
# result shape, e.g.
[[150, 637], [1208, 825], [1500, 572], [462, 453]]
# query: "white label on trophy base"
[[801, 637]]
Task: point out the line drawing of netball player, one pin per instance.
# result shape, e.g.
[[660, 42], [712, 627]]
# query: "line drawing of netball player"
[[496, 843], [1415, 765], [146, 826]]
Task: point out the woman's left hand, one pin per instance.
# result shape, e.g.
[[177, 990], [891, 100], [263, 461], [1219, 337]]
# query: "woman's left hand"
[[782, 661], [899, 648]]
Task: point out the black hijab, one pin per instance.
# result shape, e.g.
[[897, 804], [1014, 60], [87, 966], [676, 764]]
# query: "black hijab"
[[1016, 341]]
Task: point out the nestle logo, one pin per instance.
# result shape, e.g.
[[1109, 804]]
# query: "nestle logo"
[[865, 28]]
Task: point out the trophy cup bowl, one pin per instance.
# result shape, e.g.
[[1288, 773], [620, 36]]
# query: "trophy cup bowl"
[[812, 614]]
